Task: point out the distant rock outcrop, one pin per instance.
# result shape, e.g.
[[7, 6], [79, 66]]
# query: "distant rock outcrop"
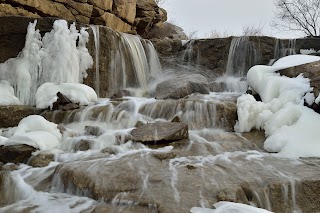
[[121, 15]]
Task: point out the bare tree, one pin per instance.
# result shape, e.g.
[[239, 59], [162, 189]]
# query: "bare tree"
[[253, 30], [298, 15]]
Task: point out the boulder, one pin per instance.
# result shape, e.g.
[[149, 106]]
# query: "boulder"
[[41, 160], [45, 8], [8, 10], [83, 145], [167, 30], [160, 132], [102, 4], [10, 116], [93, 130], [310, 70], [83, 8], [125, 9], [182, 86], [19, 153], [112, 21]]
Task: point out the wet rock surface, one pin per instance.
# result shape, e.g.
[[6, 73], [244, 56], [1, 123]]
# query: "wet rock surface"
[[16, 153], [160, 132], [181, 86], [41, 160]]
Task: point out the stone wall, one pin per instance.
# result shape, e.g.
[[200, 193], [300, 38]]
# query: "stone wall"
[[134, 16]]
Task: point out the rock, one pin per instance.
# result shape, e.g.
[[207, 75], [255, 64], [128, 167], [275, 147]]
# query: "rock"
[[102, 4], [148, 16], [41, 160], [160, 132], [126, 9], [10, 116], [176, 119], [143, 179], [82, 8], [164, 155], [93, 130], [83, 145], [182, 86], [167, 30], [8, 10], [120, 94], [310, 70], [64, 103], [46, 8], [16, 153], [112, 21]]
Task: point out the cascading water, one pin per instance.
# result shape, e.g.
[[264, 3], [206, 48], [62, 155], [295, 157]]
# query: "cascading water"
[[282, 48], [98, 167], [242, 55], [96, 35]]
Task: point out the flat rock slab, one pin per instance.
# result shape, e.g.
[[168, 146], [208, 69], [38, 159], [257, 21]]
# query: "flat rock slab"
[[10, 116], [160, 132]]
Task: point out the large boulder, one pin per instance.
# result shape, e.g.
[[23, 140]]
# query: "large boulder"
[[10, 116], [160, 132], [181, 86], [310, 70], [19, 153], [125, 9]]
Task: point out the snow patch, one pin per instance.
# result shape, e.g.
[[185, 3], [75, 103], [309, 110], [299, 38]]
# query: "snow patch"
[[78, 93], [7, 96], [291, 128]]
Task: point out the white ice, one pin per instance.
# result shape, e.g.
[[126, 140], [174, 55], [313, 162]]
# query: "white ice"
[[7, 96], [35, 131], [54, 58], [78, 93], [229, 207], [290, 127]]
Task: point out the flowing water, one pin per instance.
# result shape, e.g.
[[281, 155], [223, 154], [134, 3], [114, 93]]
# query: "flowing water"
[[116, 174]]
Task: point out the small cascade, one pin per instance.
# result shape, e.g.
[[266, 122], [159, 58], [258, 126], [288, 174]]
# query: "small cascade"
[[242, 56], [284, 48], [96, 35], [187, 55], [134, 66]]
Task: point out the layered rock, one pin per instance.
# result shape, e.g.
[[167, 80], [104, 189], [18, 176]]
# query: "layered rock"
[[160, 132], [120, 15]]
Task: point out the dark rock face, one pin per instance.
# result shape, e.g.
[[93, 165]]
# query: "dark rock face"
[[182, 86], [160, 132], [16, 153], [10, 116]]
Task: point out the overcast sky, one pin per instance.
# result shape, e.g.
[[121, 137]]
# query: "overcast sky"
[[225, 16]]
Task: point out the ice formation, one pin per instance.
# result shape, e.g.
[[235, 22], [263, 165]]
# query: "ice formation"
[[78, 93], [54, 58], [227, 207], [290, 127], [35, 131], [7, 96]]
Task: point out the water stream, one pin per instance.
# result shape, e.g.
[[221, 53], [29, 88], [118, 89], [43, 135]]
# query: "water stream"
[[116, 174]]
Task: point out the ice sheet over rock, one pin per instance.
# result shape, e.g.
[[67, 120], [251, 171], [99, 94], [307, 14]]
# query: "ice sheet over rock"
[[291, 128], [78, 93]]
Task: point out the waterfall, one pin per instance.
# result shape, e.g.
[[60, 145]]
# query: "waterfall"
[[96, 35], [242, 56], [282, 49], [134, 65]]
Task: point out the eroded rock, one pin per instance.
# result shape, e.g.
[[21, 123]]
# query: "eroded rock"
[[160, 132], [41, 160]]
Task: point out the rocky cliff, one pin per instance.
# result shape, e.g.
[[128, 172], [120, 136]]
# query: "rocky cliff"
[[134, 16]]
